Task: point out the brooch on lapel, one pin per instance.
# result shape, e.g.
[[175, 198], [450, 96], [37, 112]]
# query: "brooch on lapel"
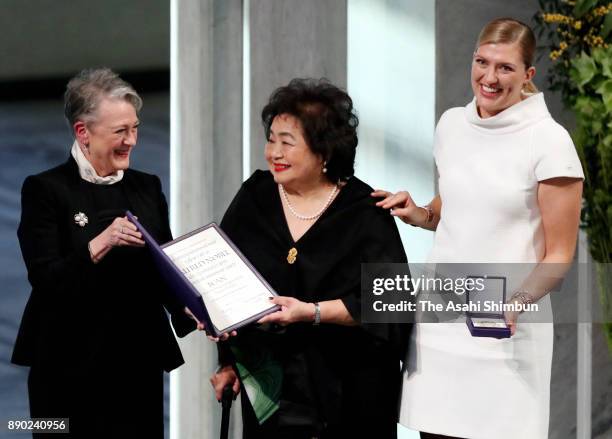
[[292, 256], [81, 219]]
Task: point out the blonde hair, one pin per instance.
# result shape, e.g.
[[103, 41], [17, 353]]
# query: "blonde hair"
[[509, 31]]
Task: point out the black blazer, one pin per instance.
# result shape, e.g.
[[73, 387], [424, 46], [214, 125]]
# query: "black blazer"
[[80, 313]]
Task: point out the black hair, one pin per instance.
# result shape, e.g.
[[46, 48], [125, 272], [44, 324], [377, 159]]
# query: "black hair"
[[328, 119]]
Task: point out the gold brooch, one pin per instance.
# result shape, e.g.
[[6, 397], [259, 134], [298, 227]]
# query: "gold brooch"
[[292, 256]]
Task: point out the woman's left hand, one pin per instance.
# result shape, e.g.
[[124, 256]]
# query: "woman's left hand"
[[292, 311], [202, 327], [511, 318]]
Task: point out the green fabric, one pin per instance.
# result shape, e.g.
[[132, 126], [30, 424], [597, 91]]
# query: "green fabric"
[[261, 377]]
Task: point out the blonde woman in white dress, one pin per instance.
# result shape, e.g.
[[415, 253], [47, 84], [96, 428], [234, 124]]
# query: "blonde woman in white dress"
[[510, 190]]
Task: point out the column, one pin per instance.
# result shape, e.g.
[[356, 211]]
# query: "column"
[[292, 39], [205, 170]]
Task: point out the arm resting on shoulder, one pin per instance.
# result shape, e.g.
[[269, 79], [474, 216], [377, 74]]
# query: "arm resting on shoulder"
[[403, 206]]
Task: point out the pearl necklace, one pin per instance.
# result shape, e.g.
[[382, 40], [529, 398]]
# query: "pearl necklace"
[[311, 217]]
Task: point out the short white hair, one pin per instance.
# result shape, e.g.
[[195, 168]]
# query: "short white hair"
[[85, 91]]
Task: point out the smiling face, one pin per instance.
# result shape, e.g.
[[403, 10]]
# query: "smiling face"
[[109, 139], [289, 157], [498, 76]]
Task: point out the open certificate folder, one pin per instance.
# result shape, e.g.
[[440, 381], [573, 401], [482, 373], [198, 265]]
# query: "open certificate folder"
[[210, 276]]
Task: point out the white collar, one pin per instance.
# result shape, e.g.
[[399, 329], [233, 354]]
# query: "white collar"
[[527, 112], [87, 171]]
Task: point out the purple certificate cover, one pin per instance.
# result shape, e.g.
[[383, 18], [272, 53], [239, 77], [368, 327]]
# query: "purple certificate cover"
[[184, 290]]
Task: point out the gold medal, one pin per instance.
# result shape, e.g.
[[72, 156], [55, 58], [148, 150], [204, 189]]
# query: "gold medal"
[[292, 255]]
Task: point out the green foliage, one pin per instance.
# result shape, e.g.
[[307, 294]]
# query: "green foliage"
[[605, 90], [583, 6], [571, 28], [607, 26], [579, 35], [583, 70], [604, 58]]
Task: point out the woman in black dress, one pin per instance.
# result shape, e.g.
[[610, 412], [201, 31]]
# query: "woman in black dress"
[[307, 224], [94, 331]]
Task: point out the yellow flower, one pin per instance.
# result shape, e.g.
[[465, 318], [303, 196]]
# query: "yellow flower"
[[556, 18], [562, 45], [577, 24], [600, 11], [594, 40]]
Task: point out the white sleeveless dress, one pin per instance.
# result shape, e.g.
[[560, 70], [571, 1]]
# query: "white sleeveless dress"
[[481, 388]]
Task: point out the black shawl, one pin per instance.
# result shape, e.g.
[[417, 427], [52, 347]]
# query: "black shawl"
[[322, 362]]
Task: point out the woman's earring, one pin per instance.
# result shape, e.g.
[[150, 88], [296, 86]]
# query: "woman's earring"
[[325, 167]]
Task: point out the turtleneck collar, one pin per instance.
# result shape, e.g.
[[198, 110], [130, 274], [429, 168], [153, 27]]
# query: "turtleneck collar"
[[87, 171], [525, 113]]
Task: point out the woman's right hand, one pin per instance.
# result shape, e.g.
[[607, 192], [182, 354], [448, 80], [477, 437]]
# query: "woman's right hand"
[[225, 376], [120, 233], [402, 206]]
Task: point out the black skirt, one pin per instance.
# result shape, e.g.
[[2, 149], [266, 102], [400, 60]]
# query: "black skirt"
[[99, 404]]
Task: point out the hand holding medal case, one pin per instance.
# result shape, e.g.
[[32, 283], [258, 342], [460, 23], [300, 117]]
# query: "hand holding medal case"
[[485, 323], [208, 274]]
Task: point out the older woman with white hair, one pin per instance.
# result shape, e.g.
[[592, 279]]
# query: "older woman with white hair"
[[94, 332]]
